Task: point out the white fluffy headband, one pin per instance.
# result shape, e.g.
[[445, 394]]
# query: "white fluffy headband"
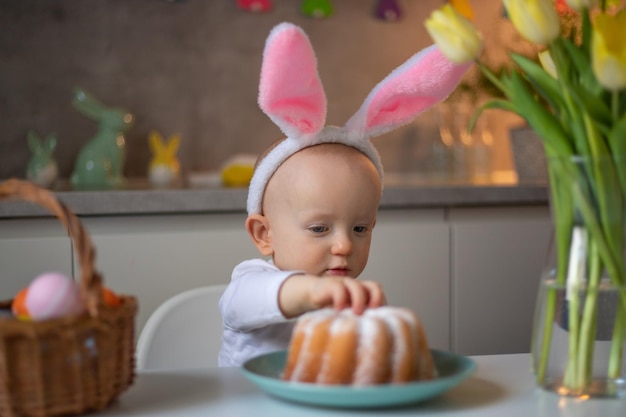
[[291, 94]]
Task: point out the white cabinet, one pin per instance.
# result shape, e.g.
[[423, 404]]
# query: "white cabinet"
[[471, 274], [156, 257], [497, 258], [409, 256], [29, 247]]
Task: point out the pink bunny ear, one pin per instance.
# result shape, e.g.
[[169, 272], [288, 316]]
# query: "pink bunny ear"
[[421, 82], [290, 91]]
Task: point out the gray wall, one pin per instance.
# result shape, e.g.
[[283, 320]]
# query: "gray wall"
[[187, 67]]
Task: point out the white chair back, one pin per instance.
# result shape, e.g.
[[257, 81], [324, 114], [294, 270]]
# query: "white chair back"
[[183, 332]]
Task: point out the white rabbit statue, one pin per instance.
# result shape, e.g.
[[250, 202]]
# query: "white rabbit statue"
[[100, 164], [42, 168]]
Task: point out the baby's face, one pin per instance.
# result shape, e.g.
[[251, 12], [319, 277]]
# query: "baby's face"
[[321, 205]]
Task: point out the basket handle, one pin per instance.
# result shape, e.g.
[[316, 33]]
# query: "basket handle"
[[90, 280]]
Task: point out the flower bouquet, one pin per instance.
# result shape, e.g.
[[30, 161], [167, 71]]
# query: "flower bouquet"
[[574, 97]]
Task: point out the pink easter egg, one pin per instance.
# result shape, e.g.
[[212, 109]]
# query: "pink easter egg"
[[53, 295]]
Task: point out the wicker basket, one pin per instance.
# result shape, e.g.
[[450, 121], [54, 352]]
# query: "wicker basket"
[[70, 365]]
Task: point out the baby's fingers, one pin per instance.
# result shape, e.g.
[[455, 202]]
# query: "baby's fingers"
[[340, 295], [358, 295], [376, 295]]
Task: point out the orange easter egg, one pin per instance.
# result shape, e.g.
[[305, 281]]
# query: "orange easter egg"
[[18, 307], [110, 298]]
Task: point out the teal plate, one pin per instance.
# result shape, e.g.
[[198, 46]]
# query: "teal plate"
[[265, 371]]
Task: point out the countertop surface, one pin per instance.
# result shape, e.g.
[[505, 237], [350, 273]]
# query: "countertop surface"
[[400, 191], [502, 385]]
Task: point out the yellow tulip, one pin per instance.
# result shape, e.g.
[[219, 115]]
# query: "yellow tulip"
[[579, 5], [455, 36], [536, 20], [614, 4], [608, 50], [547, 63]]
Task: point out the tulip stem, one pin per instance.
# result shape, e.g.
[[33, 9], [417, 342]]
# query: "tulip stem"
[[619, 334], [589, 317], [492, 77]]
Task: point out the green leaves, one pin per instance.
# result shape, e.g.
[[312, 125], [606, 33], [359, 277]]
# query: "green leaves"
[[544, 84], [539, 117], [617, 144], [617, 137]]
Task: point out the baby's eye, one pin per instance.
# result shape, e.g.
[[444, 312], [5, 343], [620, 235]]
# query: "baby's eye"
[[360, 229], [318, 229]]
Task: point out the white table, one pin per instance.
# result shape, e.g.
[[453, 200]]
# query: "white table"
[[502, 386]]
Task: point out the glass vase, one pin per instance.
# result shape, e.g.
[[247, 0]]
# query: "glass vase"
[[579, 333]]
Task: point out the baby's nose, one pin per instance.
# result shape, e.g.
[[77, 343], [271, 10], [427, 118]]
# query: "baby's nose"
[[342, 244]]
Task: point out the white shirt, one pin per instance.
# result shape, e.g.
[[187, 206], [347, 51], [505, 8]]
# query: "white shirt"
[[252, 321]]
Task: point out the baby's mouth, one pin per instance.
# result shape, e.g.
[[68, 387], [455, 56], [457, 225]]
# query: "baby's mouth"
[[338, 272]]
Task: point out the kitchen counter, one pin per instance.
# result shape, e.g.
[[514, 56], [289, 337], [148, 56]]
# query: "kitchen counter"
[[400, 192]]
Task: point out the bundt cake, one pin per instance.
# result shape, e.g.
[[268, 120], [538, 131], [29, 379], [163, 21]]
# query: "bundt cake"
[[383, 345]]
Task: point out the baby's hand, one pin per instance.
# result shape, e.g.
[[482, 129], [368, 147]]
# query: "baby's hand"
[[302, 293], [344, 292]]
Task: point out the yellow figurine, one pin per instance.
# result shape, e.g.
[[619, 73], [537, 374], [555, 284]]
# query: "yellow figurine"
[[238, 170], [164, 167]]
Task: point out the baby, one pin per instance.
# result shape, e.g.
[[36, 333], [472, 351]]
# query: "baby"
[[314, 196]]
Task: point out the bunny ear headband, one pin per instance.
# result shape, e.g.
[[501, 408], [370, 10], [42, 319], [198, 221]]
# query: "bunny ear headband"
[[291, 94]]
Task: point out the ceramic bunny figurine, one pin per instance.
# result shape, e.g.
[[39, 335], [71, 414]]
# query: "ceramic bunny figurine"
[[42, 168], [100, 163], [164, 167]]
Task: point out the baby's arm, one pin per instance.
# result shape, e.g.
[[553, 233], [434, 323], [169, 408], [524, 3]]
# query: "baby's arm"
[[301, 293], [251, 299]]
